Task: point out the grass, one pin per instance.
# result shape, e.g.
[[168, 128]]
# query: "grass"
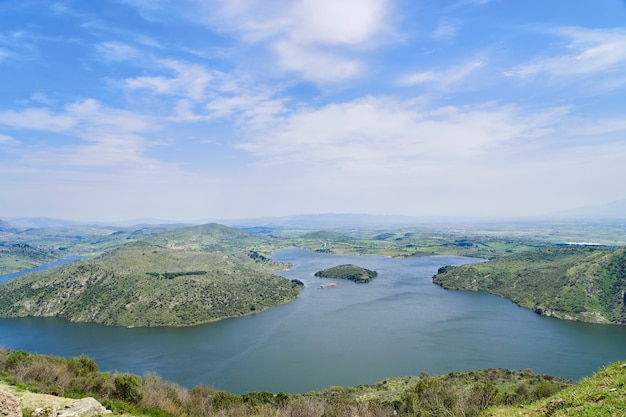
[[603, 395]]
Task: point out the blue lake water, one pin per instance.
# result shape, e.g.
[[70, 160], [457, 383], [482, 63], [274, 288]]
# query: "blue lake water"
[[398, 324], [65, 260]]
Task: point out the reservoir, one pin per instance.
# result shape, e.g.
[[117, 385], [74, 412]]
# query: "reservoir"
[[398, 324]]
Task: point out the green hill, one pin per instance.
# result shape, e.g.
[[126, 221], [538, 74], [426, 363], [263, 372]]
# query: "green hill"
[[350, 272], [582, 283], [18, 256], [211, 237], [203, 274]]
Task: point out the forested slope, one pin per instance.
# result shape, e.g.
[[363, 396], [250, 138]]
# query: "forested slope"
[[575, 282], [204, 274]]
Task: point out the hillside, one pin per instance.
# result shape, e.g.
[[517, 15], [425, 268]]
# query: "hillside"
[[582, 283], [350, 272], [18, 256], [203, 274], [601, 395], [468, 393], [210, 237]]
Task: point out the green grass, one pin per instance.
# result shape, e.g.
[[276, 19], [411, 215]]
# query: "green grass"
[[602, 395]]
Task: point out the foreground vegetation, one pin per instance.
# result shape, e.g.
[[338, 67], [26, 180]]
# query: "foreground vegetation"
[[602, 395], [583, 283], [458, 394]]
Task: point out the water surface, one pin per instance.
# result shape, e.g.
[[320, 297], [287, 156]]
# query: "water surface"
[[398, 324]]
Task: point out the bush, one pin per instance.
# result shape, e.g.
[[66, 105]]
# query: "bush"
[[163, 395], [127, 387], [82, 365], [16, 357]]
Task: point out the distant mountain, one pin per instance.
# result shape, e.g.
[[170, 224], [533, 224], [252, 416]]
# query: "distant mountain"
[[615, 210], [328, 221], [5, 227], [48, 222], [38, 222]]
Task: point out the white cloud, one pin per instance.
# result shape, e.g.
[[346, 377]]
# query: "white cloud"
[[347, 22], [590, 52], [314, 64], [309, 37], [112, 136], [116, 51], [189, 80], [41, 98], [306, 22], [91, 114], [444, 77], [7, 140], [444, 32], [598, 127], [254, 109], [36, 119], [387, 135]]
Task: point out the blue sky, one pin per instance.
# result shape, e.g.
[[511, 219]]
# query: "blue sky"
[[219, 109]]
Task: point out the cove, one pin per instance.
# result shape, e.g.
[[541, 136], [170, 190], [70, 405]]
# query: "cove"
[[398, 324]]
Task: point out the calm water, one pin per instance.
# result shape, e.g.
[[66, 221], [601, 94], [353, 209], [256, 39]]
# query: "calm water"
[[399, 324], [65, 260]]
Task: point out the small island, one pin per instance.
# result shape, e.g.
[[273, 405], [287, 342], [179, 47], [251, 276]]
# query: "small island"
[[350, 272]]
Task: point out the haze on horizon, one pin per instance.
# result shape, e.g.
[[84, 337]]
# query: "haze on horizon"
[[191, 109]]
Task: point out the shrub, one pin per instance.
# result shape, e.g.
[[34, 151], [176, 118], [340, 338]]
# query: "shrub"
[[82, 365], [127, 387], [14, 358], [164, 395]]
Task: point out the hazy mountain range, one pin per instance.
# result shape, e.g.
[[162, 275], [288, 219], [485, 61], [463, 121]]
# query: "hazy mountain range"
[[615, 210]]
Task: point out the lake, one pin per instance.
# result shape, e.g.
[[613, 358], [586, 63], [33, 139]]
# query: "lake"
[[398, 324]]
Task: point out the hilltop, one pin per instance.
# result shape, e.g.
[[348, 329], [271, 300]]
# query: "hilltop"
[[197, 275], [584, 283]]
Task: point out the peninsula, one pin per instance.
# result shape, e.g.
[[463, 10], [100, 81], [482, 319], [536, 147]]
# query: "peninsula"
[[178, 278]]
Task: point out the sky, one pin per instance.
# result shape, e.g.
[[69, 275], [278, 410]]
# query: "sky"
[[221, 109]]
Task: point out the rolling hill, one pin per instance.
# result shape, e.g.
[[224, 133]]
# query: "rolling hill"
[[178, 278], [584, 283]]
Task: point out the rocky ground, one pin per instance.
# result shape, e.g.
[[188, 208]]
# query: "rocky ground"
[[14, 401]]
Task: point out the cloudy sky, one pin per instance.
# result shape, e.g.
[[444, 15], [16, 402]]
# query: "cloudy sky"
[[213, 109]]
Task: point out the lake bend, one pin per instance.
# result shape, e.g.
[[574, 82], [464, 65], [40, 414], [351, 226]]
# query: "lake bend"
[[398, 324]]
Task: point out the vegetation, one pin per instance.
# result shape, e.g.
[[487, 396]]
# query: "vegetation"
[[199, 275], [585, 283], [350, 272], [18, 256], [601, 395], [458, 394], [535, 271], [414, 242]]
